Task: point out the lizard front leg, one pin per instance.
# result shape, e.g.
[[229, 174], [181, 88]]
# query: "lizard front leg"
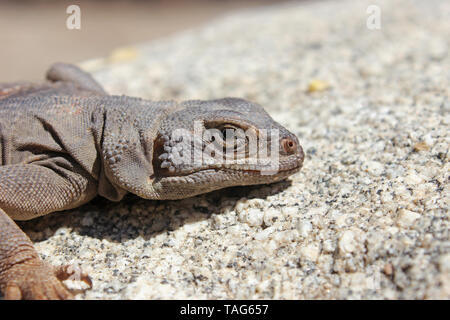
[[23, 275], [27, 191]]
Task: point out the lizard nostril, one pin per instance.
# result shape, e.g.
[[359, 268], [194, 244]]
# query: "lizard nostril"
[[289, 145]]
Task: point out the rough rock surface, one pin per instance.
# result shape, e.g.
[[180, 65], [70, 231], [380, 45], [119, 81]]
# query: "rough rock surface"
[[367, 217]]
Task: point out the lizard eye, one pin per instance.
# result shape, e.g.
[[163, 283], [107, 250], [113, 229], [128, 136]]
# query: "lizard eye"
[[233, 137], [227, 131], [223, 132]]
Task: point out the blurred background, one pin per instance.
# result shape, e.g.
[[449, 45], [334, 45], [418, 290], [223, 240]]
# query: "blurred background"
[[33, 33]]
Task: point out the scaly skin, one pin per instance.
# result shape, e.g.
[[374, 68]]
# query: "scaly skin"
[[66, 141]]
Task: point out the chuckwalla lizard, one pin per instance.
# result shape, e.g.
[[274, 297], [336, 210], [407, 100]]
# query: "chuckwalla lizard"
[[65, 141]]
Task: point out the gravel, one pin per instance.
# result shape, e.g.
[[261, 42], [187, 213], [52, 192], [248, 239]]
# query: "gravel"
[[367, 216]]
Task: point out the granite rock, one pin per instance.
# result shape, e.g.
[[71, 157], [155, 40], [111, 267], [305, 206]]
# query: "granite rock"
[[367, 216]]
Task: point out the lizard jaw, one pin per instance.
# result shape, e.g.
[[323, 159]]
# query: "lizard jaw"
[[210, 179]]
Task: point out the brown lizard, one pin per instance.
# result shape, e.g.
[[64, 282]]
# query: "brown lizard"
[[65, 141]]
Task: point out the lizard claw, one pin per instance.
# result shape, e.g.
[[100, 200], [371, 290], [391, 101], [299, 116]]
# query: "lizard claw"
[[34, 280], [73, 272]]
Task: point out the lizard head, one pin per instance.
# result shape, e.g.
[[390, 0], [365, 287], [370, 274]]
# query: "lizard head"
[[209, 145], [193, 147]]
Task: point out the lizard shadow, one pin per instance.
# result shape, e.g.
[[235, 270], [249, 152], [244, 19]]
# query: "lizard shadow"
[[136, 217]]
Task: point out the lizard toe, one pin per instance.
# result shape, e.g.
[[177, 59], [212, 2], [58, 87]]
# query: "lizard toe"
[[12, 292], [33, 281], [57, 291]]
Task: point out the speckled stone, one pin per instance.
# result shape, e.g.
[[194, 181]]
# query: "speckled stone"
[[366, 218]]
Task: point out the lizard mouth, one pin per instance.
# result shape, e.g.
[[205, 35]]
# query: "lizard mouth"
[[287, 165], [286, 169], [207, 180]]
